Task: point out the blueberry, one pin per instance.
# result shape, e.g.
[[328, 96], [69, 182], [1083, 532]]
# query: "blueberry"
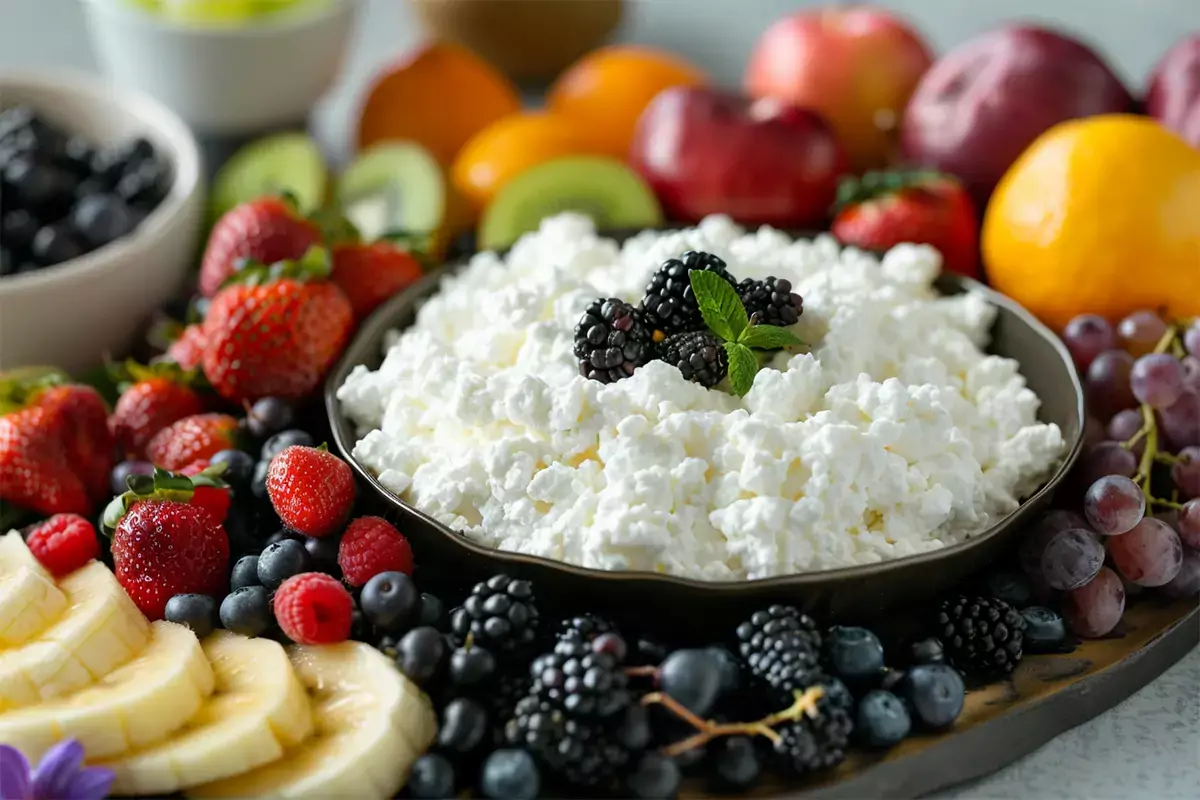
[[258, 483], [40, 188], [934, 693], [54, 244], [928, 651], [239, 467], [634, 731], [269, 416], [463, 725], [323, 554], [282, 535], [283, 440], [89, 187], [471, 666], [510, 775], [77, 156], [655, 776], [14, 119], [122, 471], [692, 678], [736, 763], [432, 778], [280, 561], [244, 573], [1011, 587], [420, 653], [890, 680], [432, 611], [882, 719], [731, 673], [246, 611], [101, 218], [143, 185], [838, 694], [855, 654], [197, 611], [391, 601], [17, 229], [1045, 631]]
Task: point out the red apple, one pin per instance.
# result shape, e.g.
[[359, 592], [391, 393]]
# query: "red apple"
[[985, 101], [856, 65], [1173, 96], [762, 162]]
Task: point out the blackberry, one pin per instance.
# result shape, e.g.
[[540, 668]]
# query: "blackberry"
[[612, 339], [500, 614], [781, 647], [770, 301], [583, 753], [809, 744], [698, 355], [981, 635], [502, 699], [669, 303], [580, 680], [584, 628]]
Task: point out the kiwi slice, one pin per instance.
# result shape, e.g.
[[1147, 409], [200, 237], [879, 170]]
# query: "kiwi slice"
[[603, 188], [288, 163], [393, 187]]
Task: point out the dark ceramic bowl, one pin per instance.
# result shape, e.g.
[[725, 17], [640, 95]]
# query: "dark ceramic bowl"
[[848, 593]]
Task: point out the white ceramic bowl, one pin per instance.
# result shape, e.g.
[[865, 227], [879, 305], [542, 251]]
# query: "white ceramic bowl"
[[72, 314], [226, 81]]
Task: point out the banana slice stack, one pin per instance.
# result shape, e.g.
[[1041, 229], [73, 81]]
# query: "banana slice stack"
[[226, 717]]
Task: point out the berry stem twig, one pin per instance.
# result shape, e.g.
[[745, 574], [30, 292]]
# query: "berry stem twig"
[[642, 672], [707, 730]]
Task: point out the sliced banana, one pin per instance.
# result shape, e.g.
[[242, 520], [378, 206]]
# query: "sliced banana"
[[100, 630], [258, 710], [137, 704], [14, 555], [371, 725], [29, 603]]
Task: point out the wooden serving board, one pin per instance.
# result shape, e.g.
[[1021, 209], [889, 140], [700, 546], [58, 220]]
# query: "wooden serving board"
[[1003, 721]]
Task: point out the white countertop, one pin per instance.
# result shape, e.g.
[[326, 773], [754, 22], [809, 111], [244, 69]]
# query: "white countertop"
[[1148, 746]]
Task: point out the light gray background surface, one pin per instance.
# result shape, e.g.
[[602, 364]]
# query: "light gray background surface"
[[1149, 746]]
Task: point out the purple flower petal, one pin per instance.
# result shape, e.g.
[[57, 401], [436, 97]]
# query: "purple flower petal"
[[56, 770], [14, 774], [91, 783]]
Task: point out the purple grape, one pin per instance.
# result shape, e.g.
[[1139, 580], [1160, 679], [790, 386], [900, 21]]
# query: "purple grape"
[[1180, 422], [1191, 340], [1093, 431], [1039, 535], [1095, 609], [1107, 383], [1071, 559], [1188, 524], [1107, 458], [1191, 372], [1086, 337], [1125, 425], [1186, 473], [1140, 332], [1113, 505], [1148, 555], [1156, 380], [1187, 581]]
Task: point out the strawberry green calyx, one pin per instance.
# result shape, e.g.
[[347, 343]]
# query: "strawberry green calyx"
[[126, 373], [20, 386], [853, 190], [314, 265], [336, 228], [162, 485]]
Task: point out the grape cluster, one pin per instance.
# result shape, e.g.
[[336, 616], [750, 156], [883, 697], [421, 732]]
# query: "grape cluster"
[[1140, 474]]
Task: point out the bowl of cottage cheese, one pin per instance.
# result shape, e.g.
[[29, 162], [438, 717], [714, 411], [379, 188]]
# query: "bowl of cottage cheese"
[[924, 417]]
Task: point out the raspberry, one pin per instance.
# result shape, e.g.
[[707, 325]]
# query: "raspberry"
[[370, 546], [64, 543], [311, 489], [313, 608]]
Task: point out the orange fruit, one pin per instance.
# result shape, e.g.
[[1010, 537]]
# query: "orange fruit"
[[439, 97], [1098, 215], [511, 145], [609, 88]]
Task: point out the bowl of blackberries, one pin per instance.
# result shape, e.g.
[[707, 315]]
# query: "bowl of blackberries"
[[100, 212]]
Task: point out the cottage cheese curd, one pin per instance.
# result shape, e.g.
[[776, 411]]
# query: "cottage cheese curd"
[[896, 434]]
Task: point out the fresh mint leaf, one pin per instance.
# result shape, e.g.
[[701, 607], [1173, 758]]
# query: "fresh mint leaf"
[[768, 337], [719, 303], [743, 366]]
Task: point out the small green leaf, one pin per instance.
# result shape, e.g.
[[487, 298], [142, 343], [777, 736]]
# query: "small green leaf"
[[113, 512], [719, 304], [769, 337], [168, 483], [140, 484], [743, 366]]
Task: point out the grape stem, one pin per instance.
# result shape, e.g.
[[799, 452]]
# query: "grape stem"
[[1170, 341], [805, 704]]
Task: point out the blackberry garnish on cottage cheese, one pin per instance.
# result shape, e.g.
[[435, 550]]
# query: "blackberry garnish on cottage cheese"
[[894, 434]]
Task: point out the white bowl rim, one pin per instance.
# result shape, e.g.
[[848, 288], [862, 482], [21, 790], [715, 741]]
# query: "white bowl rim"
[[282, 23], [157, 225]]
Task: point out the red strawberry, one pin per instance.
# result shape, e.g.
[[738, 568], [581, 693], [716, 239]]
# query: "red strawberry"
[[311, 489], [265, 230], [883, 209], [191, 439], [369, 274], [163, 546], [210, 492], [188, 350], [277, 333], [90, 446], [63, 543], [159, 395]]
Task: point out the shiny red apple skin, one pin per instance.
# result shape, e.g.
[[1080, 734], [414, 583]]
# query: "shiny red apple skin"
[[856, 65], [1173, 94], [984, 102], [762, 162]]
